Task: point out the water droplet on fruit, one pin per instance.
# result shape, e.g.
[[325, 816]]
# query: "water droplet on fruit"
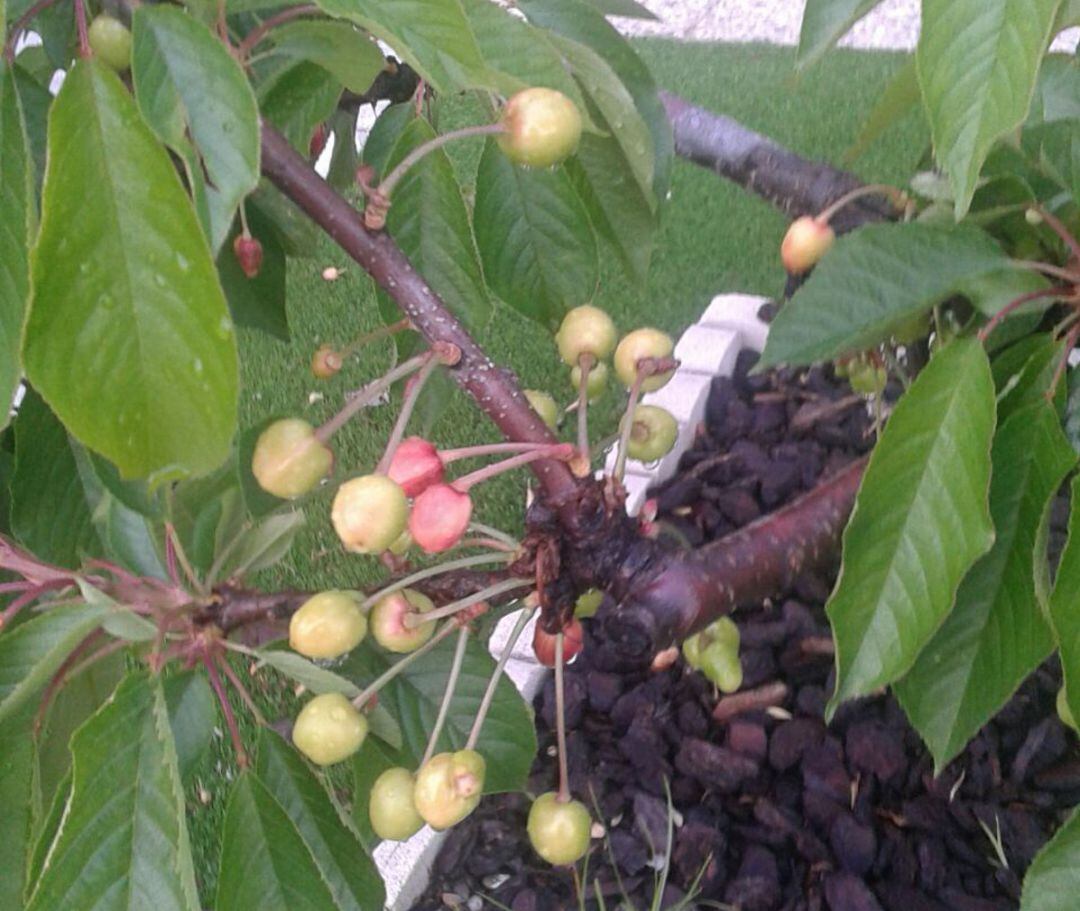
[[84, 267], [225, 327], [198, 365], [159, 280], [182, 262]]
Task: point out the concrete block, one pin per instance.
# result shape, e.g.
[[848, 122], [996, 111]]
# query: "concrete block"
[[707, 350], [738, 312]]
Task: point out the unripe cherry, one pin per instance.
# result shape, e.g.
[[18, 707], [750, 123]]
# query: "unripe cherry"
[[588, 603], [545, 406], [327, 625], [597, 382], [329, 729], [416, 465], [653, 433], [439, 518], [640, 345], [544, 643], [289, 460], [586, 330], [807, 240], [448, 787], [249, 253], [559, 830], [369, 513], [325, 362], [387, 621], [110, 40], [543, 128], [390, 805]]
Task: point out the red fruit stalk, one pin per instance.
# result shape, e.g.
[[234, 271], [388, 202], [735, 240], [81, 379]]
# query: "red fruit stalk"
[[318, 140]]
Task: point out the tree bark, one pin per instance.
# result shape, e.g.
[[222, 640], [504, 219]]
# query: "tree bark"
[[793, 184]]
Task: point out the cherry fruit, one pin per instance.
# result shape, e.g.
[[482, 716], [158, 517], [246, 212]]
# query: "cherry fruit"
[[448, 787], [325, 362], [369, 513], [545, 406], [249, 253], [544, 643], [542, 126], [327, 625], [652, 433], [585, 330], [640, 345], [807, 240], [559, 831], [110, 40], [588, 603], [388, 625], [597, 382], [329, 729], [440, 517], [416, 465], [390, 805], [289, 460]]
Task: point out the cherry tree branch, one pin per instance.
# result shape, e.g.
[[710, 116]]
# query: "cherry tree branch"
[[494, 390]]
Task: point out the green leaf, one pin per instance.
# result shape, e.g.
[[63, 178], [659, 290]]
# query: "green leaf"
[[262, 545], [18, 218], [16, 822], [35, 100], [996, 634], [351, 55], [123, 841], [207, 513], [921, 519], [264, 861], [898, 97], [343, 160], [191, 89], [508, 741], [1065, 604], [384, 135], [259, 302], [297, 234], [1055, 148], [49, 512], [298, 99], [433, 36], [373, 758], [45, 829], [345, 866], [1053, 879], [192, 714], [125, 293], [978, 61], [824, 22], [872, 279], [1023, 372], [430, 223], [1057, 92], [627, 8], [539, 251]]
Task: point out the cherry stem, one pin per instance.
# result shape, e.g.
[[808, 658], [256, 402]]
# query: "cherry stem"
[[1047, 269], [408, 403], [1070, 343], [20, 26], [489, 693], [362, 699], [489, 543], [226, 708], [414, 619], [181, 557], [561, 451], [1018, 302], [470, 452], [170, 561], [420, 575], [495, 533], [448, 694], [1058, 227], [387, 184], [80, 25], [61, 674], [367, 394], [368, 337], [585, 363], [560, 722], [256, 35], [628, 425], [874, 189], [245, 230], [245, 696]]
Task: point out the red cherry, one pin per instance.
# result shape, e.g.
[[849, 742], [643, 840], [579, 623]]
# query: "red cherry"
[[318, 140], [544, 643], [416, 465], [439, 518], [249, 254]]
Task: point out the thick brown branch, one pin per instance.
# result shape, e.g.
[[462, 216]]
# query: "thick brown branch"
[[495, 390], [793, 184], [682, 592]]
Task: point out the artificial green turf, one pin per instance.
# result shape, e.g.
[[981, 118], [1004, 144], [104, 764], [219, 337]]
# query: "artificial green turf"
[[715, 237]]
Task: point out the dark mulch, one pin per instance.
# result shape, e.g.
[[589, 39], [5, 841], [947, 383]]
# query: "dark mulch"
[[774, 810]]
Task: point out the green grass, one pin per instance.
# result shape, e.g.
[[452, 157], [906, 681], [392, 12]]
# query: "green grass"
[[715, 237]]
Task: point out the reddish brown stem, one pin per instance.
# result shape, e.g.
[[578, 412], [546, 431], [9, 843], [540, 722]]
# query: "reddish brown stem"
[[1058, 227], [493, 389], [1015, 304], [80, 27], [252, 38], [226, 708], [1063, 362]]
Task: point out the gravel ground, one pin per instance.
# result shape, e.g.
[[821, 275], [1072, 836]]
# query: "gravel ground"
[[894, 25]]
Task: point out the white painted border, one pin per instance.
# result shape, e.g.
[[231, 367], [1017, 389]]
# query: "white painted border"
[[707, 349]]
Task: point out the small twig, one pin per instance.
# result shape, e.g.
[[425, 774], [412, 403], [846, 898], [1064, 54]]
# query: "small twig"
[[412, 392], [387, 184], [256, 35], [437, 570], [560, 451], [628, 425], [999, 317], [560, 721], [448, 694], [1050, 269], [1058, 227], [366, 394], [1070, 343], [226, 708], [413, 619], [181, 557], [585, 363], [245, 696], [750, 700], [492, 532], [489, 693], [362, 699], [62, 673]]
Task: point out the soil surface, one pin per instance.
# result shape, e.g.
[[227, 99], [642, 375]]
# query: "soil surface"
[[773, 811]]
